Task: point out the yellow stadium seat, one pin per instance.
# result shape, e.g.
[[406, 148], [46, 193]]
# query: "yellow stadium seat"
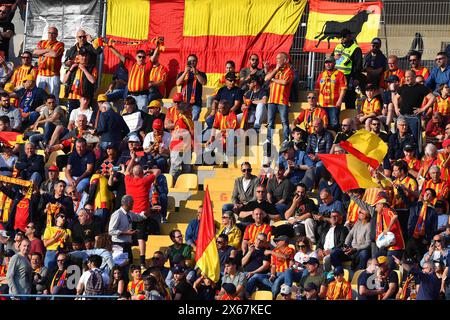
[[204, 172], [279, 223], [262, 295], [169, 179], [356, 276], [207, 91], [346, 274], [400, 276], [166, 228], [220, 185], [187, 181], [316, 202]]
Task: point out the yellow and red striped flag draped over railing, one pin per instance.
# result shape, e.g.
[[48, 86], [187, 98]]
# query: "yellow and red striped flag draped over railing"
[[214, 30], [327, 19], [206, 255]]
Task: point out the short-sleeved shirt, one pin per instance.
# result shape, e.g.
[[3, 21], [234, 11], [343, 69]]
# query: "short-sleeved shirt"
[[75, 112], [50, 232], [196, 97], [80, 233], [329, 84], [256, 260], [231, 95], [4, 43], [252, 231], [372, 106], [318, 280], [76, 91], [49, 66], [256, 95], [159, 73], [392, 278], [279, 93], [57, 110], [139, 189], [79, 163], [364, 280], [282, 264], [239, 279], [20, 73], [412, 97], [138, 75]]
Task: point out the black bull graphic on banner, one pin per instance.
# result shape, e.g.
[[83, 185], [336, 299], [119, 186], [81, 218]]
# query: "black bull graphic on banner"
[[332, 29]]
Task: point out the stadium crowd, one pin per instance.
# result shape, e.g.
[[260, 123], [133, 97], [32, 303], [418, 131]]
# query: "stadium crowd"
[[291, 231]]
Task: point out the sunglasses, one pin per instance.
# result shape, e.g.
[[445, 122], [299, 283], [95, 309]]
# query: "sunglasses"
[[438, 240], [439, 59], [302, 246], [246, 170], [253, 59], [52, 32], [309, 98], [219, 242], [30, 227], [81, 37], [259, 191], [179, 237], [225, 217], [60, 260], [141, 57]]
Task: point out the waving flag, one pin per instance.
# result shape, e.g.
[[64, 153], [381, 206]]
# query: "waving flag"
[[327, 19], [206, 255], [348, 171], [214, 30], [367, 147], [10, 138]]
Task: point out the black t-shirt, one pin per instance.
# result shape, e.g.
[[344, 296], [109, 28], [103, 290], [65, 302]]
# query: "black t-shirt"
[[186, 291], [80, 233], [366, 279], [343, 136], [392, 278], [231, 95], [264, 205], [256, 260], [198, 88], [79, 163], [4, 43], [412, 97], [258, 95]]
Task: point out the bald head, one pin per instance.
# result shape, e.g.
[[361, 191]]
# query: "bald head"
[[52, 33]]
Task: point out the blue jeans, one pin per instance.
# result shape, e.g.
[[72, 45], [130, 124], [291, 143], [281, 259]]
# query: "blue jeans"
[[116, 94], [291, 276], [284, 114], [50, 259], [280, 279], [196, 112], [83, 184], [161, 162], [337, 256], [281, 208], [33, 117], [102, 214], [164, 202], [333, 117], [258, 278], [209, 121]]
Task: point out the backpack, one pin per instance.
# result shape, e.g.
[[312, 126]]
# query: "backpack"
[[95, 285]]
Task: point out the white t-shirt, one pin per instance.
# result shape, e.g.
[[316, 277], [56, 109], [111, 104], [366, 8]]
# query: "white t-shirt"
[[246, 183], [329, 239], [150, 138], [75, 112], [85, 277], [301, 257]]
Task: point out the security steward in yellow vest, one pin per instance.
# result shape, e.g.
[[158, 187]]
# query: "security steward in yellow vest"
[[349, 60]]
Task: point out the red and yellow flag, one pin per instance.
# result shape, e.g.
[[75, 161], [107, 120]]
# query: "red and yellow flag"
[[10, 138], [207, 256], [327, 19], [215, 30], [348, 171]]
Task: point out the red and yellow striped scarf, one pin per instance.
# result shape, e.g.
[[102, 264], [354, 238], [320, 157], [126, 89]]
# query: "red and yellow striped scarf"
[[419, 230]]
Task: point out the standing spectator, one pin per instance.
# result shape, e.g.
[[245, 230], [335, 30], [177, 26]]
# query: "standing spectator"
[[139, 74], [331, 86], [156, 145], [15, 118], [388, 279], [232, 275], [320, 141], [191, 81], [118, 87], [415, 59], [366, 289], [31, 165], [58, 284], [281, 79], [36, 244], [41, 275], [20, 273], [371, 107], [120, 225], [50, 53], [339, 289], [192, 229], [80, 166], [392, 86], [348, 56], [7, 31], [111, 127], [243, 190], [375, 62], [440, 74], [82, 44], [56, 238], [247, 74], [99, 282], [393, 70], [80, 80], [84, 229], [157, 80], [30, 97], [440, 187], [23, 70]]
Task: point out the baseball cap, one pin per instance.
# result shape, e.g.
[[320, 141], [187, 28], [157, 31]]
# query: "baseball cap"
[[230, 76], [178, 269], [229, 288], [408, 147], [330, 59], [376, 41], [285, 289], [392, 78], [178, 258], [371, 86], [310, 287], [155, 104], [53, 168], [382, 259], [286, 146], [281, 238], [178, 97], [338, 271], [102, 98], [312, 260], [446, 143], [157, 124], [134, 138], [28, 77]]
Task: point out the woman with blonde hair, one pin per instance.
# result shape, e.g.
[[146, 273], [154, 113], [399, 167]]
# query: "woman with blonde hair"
[[229, 227]]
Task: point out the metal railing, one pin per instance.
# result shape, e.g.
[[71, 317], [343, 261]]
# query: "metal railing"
[[58, 296]]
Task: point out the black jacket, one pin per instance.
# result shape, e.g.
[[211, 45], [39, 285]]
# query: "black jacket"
[[431, 220], [111, 127], [28, 166], [340, 233]]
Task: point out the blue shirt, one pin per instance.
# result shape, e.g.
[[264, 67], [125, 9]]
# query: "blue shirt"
[[326, 209], [79, 163], [430, 286], [438, 77], [231, 95], [300, 158], [192, 231]]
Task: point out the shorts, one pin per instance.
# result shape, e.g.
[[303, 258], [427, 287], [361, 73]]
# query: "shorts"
[[142, 230]]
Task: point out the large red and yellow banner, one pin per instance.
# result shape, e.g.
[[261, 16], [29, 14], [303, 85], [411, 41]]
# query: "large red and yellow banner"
[[327, 19], [214, 30]]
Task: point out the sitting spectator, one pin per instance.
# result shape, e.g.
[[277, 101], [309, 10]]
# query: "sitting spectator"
[[243, 190], [436, 251], [56, 238], [388, 278], [224, 250], [58, 284], [154, 113], [230, 292], [80, 166], [297, 164], [179, 260], [357, 244], [204, 288], [318, 142], [150, 289], [435, 130], [279, 191], [435, 182], [327, 182], [366, 289], [327, 205], [339, 289], [183, 290], [442, 103], [399, 140], [7, 160], [156, 145], [85, 109], [371, 107], [253, 230], [117, 284], [229, 229], [315, 277], [178, 247], [133, 116], [246, 214], [307, 117], [136, 285], [26, 68], [64, 202], [30, 97], [428, 160], [31, 165], [192, 229], [15, 118], [347, 130], [84, 229], [332, 237], [411, 160], [173, 112], [118, 87], [298, 268], [256, 100], [233, 276]]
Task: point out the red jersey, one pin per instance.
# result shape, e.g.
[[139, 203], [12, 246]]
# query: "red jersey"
[[252, 231], [225, 122], [422, 71], [399, 73], [280, 264], [139, 189], [441, 189], [442, 105], [352, 212], [279, 93], [159, 73], [383, 221], [181, 125], [413, 163], [329, 85], [20, 73], [138, 75], [445, 170], [372, 106], [411, 184], [49, 66], [307, 117]]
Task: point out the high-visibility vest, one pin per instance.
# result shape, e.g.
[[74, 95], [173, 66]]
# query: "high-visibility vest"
[[344, 62]]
